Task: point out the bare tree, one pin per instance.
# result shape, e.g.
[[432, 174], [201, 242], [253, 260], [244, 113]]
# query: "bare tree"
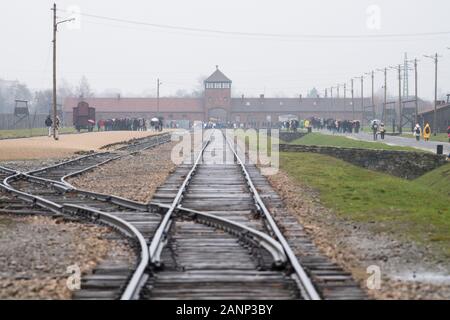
[[83, 89]]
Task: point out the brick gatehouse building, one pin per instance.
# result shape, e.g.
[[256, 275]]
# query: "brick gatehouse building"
[[218, 105]]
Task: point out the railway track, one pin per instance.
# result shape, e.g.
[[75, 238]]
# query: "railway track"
[[46, 188], [217, 239], [208, 234]]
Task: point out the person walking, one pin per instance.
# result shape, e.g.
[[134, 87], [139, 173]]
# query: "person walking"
[[448, 133], [382, 130], [417, 131], [427, 132], [375, 130], [48, 124], [57, 125]]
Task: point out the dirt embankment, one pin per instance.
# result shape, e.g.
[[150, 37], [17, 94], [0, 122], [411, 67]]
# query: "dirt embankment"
[[407, 271]]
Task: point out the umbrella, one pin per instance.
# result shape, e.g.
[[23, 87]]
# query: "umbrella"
[[155, 120]]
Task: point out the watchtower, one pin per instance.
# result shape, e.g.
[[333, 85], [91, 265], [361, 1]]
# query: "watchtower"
[[217, 97], [21, 112]]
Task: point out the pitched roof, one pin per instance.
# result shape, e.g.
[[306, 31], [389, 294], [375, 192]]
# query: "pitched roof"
[[293, 104], [218, 76], [438, 108], [138, 104]]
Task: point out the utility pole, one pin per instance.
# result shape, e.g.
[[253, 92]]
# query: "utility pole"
[[373, 96], [338, 96], [406, 77], [345, 96], [332, 103], [383, 115], [353, 100], [435, 94], [400, 126], [159, 83], [55, 30], [435, 58], [399, 69], [416, 116], [362, 99]]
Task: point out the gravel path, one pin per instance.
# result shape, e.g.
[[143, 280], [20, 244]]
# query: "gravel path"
[[144, 172], [67, 145], [408, 272], [36, 252]]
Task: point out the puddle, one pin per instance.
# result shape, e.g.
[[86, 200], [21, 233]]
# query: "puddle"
[[426, 277]]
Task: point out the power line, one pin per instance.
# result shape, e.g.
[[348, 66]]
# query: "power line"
[[265, 35]]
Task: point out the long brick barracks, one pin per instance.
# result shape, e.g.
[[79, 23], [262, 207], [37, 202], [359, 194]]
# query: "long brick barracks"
[[218, 105]]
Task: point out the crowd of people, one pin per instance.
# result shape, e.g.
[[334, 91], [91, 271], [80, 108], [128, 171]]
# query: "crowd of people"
[[123, 124], [129, 124]]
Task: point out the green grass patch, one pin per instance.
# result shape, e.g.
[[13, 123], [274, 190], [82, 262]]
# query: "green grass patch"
[[318, 139], [27, 133], [437, 180], [417, 210]]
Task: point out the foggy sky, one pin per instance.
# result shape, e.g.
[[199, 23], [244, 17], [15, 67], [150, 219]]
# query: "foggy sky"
[[130, 58]]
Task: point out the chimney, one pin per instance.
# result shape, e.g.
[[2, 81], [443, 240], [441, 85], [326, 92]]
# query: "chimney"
[[261, 96], [118, 96], [301, 97], [242, 99]]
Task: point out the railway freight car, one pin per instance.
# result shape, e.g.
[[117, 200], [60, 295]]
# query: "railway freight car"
[[84, 117]]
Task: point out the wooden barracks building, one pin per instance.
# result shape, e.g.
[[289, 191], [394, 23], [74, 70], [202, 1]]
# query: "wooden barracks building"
[[218, 105]]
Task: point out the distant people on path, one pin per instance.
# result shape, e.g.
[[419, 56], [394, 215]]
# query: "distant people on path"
[[417, 131], [427, 132], [448, 133], [48, 124], [382, 130]]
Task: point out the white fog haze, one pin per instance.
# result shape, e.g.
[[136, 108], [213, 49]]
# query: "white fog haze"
[[314, 44]]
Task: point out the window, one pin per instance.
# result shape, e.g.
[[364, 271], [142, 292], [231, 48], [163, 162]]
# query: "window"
[[217, 85], [226, 85]]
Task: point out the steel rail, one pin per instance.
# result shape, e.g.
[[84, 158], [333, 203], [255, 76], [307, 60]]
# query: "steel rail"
[[307, 287], [61, 164], [139, 276], [250, 235], [8, 170], [264, 240], [79, 172], [119, 201], [76, 173], [160, 238], [95, 154]]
